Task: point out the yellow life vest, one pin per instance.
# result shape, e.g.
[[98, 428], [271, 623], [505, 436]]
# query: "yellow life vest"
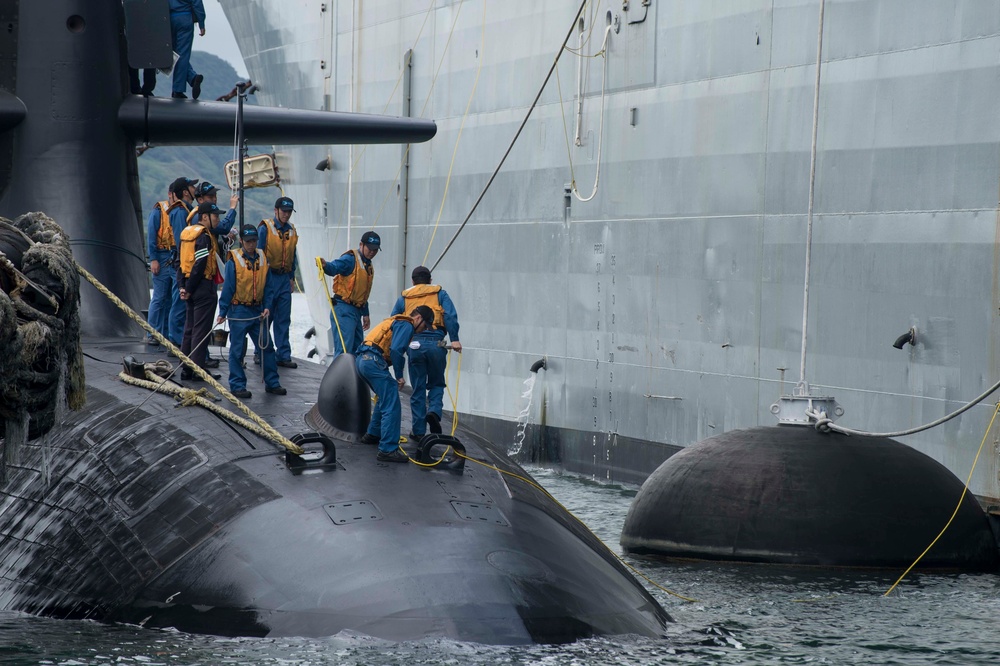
[[188, 238], [280, 247], [425, 294], [381, 335], [192, 212], [165, 236], [251, 276], [354, 288]]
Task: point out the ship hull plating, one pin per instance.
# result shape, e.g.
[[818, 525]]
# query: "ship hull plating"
[[669, 307]]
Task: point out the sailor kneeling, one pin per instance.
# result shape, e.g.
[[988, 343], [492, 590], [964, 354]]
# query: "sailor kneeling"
[[247, 298], [384, 345]]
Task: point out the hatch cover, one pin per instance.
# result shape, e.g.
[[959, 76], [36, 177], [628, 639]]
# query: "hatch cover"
[[478, 512], [357, 511]]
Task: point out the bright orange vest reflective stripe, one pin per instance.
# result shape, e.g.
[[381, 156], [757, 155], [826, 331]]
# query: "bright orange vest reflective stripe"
[[165, 236], [188, 238], [425, 294], [251, 277], [354, 288], [280, 247], [381, 335]]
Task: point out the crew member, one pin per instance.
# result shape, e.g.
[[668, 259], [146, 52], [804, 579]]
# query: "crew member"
[[196, 275], [428, 356], [384, 345], [183, 15], [278, 239], [205, 192], [352, 283], [161, 246], [183, 189], [247, 295]]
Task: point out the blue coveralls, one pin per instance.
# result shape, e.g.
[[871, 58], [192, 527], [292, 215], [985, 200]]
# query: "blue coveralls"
[[183, 15], [428, 363], [239, 330], [163, 282], [281, 313], [178, 309], [372, 366], [348, 315]]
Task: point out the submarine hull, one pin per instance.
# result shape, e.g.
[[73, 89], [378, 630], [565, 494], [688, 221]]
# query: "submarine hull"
[[137, 510]]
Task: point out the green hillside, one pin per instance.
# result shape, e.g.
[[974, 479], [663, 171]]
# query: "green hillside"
[[159, 166]]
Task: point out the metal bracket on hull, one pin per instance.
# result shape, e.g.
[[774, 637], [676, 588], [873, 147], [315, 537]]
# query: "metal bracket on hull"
[[794, 409], [312, 460]]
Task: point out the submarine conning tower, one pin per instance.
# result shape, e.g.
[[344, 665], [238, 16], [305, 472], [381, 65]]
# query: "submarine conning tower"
[[793, 494]]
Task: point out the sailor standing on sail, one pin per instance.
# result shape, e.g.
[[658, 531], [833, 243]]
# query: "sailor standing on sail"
[[384, 345], [161, 246], [352, 283], [183, 15], [183, 189], [196, 275], [278, 239], [247, 297], [428, 358]]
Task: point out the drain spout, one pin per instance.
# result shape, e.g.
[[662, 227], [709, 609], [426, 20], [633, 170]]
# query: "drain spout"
[[538, 365]]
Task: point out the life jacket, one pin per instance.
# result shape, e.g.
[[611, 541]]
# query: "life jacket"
[[354, 288], [188, 238], [165, 236], [251, 276], [381, 335], [425, 294], [280, 247]]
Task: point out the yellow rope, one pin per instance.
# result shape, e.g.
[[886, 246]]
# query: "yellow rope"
[[343, 206], [329, 298], [954, 513], [272, 434], [458, 139], [422, 110], [190, 397]]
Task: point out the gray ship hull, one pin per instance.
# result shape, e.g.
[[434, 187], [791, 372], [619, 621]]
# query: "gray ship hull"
[[669, 307]]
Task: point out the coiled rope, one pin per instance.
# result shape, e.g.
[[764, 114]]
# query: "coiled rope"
[[264, 426]]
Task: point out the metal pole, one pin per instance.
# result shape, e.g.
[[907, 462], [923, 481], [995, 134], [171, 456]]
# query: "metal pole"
[[241, 148], [812, 190], [404, 181]]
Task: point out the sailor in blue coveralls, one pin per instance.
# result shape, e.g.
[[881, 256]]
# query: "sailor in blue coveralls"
[[183, 189], [385, 344], [353, 274], [428, 358], [247, 297], [278, 240]]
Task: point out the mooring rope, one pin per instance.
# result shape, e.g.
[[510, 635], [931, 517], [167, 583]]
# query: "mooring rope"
[[266, 427]]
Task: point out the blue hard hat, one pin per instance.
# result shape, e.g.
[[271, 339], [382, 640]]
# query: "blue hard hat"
[[205, 188]]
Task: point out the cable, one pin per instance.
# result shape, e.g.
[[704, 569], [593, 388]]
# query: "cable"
[[824, 424], [516, 136], [954, 513], [111, 246], [458, 139]]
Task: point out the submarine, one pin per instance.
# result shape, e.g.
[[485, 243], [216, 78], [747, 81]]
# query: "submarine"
[[123, 504]]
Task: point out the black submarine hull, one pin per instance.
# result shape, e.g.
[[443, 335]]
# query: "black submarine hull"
[[140, 511]]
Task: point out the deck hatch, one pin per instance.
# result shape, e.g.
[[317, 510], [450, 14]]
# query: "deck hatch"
[[478, 512], [356, 511]]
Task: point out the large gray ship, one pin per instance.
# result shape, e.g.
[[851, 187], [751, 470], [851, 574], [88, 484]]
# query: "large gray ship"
[[647, 234]]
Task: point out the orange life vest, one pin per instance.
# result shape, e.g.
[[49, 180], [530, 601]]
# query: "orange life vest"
[[354, 288], [280, 247], [251, 277], [188, 238], [165, 236], [425, 294], [381, 335]]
